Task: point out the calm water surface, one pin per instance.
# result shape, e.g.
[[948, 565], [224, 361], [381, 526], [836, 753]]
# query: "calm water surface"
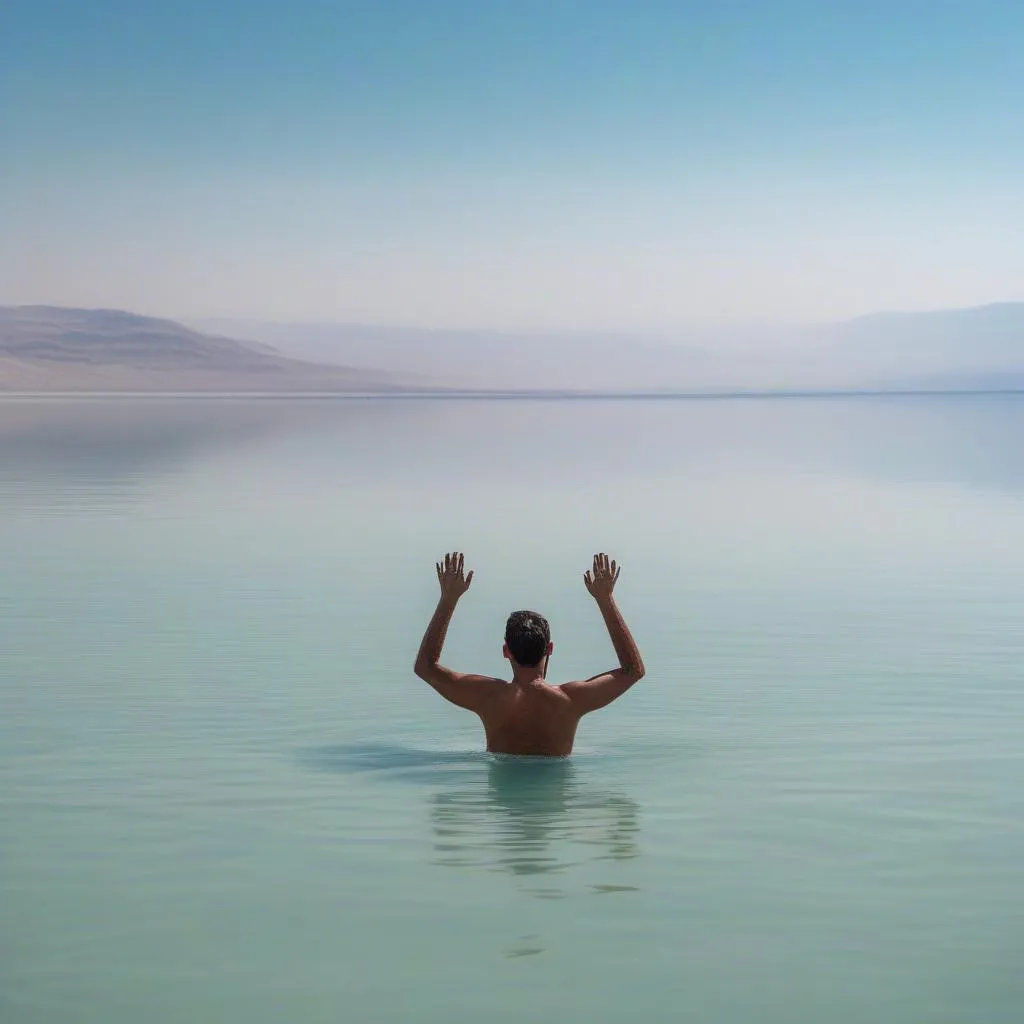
[[224, 797]]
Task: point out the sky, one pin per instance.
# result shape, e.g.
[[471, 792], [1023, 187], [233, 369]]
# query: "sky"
[[512, 164]]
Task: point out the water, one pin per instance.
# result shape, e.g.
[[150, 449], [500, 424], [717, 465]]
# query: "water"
[[224, 797]]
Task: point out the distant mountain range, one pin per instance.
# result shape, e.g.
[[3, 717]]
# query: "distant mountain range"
[[44, 348], [521, 361], [979, 348]]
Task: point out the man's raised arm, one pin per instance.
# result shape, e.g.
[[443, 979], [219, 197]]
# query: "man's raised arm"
[[468, 691], [598, 691]]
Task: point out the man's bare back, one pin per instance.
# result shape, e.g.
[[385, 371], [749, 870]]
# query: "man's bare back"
[[528, 715]]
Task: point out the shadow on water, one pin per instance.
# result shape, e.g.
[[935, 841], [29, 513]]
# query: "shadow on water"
[[411, 764], [534, 818]]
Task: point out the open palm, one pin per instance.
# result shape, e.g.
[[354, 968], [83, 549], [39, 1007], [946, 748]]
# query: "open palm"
[[600, 580], [452, 576]]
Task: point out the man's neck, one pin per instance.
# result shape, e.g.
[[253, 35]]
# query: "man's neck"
[[523, 676]]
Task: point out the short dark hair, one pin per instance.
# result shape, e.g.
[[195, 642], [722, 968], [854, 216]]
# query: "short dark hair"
[[527, 635]]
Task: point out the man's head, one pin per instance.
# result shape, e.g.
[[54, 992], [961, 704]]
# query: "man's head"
[[527, 638]]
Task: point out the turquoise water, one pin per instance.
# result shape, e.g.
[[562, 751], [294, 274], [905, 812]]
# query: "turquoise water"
[[224, 797]]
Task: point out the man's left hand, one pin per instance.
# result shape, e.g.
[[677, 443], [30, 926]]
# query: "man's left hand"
[[454, 581]]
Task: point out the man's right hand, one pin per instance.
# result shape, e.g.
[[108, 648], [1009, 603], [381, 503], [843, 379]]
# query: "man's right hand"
[[590, 694], [600, 580]]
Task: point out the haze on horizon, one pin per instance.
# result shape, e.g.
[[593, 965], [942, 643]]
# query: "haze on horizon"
[[537, 165]]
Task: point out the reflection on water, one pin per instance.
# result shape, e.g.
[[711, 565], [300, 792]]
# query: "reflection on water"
[[961, 439], [123, 438], [525, 816], [532, 817]]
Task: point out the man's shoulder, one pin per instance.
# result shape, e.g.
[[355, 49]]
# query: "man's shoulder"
[[558, 690], [492, 682]]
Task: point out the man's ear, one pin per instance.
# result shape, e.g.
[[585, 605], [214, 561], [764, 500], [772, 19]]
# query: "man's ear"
[[551, 647], [506, 652]]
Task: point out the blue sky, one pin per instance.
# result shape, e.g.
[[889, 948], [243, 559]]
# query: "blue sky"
[[517, 164]]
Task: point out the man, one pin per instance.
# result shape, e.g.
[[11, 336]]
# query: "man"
[[528, 715]]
